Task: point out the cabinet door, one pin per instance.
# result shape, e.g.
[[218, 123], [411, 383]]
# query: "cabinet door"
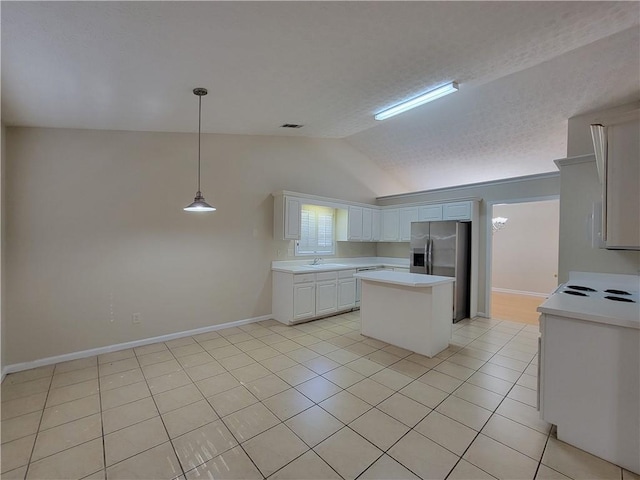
[[429, 213], [456, 211], [355, 223], [622, 193], [304, 301], [375, 225], [326, 297], [346, 293], [292, 212], [407, 215], [390, 225], [367, 224]]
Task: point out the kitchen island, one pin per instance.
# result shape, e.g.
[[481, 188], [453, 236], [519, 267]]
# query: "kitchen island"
[[408, 310]]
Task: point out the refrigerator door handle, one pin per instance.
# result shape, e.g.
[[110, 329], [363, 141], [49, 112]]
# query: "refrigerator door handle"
[[429, 254]]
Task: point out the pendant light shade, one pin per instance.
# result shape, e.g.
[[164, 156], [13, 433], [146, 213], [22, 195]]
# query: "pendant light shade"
[[199, 205]]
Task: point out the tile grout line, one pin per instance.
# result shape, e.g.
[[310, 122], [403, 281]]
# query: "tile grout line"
[[160, 416], [104, 448], [35, 440], [338, 347], [480, 431]]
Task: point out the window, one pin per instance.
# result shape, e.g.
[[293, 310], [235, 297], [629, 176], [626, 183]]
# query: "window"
[[316, 231]]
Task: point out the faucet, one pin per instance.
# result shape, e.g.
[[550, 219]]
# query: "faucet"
[[316, 261]]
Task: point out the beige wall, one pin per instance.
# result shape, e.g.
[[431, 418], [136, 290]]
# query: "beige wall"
[[580, 191], [525, 252], [95, 230], [393, 249], [536, 187]]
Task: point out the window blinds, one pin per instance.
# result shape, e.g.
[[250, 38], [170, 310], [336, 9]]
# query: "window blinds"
[[316, 231]]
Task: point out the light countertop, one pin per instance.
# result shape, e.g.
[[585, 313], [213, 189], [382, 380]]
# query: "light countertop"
[[404, 279], [595, 308], [334, 264]]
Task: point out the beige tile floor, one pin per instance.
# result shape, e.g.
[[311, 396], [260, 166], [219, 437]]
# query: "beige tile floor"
[[314, 401]]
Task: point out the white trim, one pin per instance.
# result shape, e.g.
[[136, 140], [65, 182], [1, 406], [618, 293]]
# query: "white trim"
[[489, 238], [587, 158], [18, 367], [483, 315], [526, 178], [520, 292]]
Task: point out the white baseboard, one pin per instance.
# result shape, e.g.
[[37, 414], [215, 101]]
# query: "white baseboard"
[[520, 292], [18, 367]]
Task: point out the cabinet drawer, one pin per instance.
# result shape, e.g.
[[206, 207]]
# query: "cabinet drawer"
[[346, 273], [304, 278], [320, 276]]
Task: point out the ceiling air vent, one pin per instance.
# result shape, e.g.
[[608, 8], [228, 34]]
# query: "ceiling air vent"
[[291, 125]]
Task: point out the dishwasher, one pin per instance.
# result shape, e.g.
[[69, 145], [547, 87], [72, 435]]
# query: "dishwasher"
[[359, 282]]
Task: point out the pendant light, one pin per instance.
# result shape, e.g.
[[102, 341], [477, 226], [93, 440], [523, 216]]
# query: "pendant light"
[[199, 205]]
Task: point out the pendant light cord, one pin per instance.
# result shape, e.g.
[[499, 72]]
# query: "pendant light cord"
[[199, 127]]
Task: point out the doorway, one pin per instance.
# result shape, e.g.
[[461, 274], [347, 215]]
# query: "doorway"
[[524, 258]]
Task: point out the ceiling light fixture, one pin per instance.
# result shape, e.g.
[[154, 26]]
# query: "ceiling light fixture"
[[199, 205], [417, 101], [498, 223]]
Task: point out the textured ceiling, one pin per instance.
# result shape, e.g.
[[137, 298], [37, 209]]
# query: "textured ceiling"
[[523, 69], [511, 127]]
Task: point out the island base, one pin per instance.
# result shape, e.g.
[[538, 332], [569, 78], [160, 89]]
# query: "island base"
[[418, 319]]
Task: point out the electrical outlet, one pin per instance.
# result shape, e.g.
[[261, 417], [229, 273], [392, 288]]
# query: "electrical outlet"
[[136, 318]]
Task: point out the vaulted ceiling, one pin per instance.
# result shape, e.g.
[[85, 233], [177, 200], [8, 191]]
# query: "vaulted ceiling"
[[524, 68]]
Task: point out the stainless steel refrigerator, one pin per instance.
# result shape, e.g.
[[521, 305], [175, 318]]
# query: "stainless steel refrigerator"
[[443, 248]]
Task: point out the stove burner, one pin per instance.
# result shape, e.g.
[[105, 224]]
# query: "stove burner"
[[579, 294], [617, 292], [581, 288], [619, 299]]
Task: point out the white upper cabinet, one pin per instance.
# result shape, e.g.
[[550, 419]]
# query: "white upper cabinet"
[[360, 223], [367, 224], [621, 186], [286, 217], [407, 215], [457, 211], [429, 213], [390, 225], [354, 224], [375, 225]]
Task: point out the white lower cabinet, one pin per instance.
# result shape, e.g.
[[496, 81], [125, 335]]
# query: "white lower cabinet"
[[304, 301], [326, 297], [346, 293], [303, 296], [589, 386]]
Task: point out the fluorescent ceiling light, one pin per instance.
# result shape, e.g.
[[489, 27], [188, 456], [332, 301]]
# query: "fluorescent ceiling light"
[[417, 101]]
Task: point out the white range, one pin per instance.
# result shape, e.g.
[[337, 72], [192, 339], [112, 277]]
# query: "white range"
[[589, 365]]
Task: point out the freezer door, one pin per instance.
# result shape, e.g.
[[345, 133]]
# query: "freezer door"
[[418, 254], [419, 234]]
